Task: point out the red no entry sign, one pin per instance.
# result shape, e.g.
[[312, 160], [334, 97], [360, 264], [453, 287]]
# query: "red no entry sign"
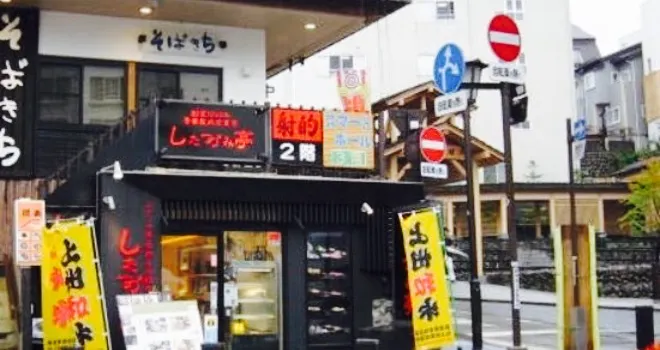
[[504, 38], [433, 145]]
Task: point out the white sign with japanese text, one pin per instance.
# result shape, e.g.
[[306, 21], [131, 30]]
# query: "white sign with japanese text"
[[434, 170], [452, 103], [507, 73], [167, 40]]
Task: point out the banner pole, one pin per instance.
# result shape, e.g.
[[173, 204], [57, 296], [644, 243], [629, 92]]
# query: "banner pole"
[[91, 222]]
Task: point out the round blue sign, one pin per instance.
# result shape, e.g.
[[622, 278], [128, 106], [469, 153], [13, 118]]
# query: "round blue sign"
[[449, 68]]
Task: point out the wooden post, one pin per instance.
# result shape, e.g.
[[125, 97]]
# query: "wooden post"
[[584, 281]]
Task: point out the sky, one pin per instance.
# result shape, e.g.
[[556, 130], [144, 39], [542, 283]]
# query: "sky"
[[607, 20]]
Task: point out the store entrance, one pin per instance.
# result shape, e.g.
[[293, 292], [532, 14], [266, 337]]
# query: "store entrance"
[[245, 294]]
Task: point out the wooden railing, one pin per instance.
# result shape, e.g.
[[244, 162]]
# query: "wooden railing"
[[88, 154]]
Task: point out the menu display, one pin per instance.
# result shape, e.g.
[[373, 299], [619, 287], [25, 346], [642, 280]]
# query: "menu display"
[[348, 140], [329, 309]]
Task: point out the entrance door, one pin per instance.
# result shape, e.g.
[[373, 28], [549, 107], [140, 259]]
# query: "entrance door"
[[200, 87]]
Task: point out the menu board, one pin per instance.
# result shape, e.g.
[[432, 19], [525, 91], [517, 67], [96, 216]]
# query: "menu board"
[[348, 140], [172, 325], [125, 303], [328, 289]]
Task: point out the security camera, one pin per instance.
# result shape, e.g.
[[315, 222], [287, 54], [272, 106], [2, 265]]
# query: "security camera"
[[117, 173], [367, 209], [110, 202]]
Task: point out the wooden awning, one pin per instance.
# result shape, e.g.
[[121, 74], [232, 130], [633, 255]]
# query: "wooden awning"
[[420, 97]]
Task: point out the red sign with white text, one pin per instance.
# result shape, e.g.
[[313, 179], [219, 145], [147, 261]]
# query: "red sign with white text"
[[232, 132], [297, 136]]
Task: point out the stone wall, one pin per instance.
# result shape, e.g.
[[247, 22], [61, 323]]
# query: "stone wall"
[[624, 265]]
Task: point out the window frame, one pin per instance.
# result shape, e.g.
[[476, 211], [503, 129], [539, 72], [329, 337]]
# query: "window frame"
[[80, 64], [341, 58], [451, 8], [585, 78], [609, 120], [178, 69]]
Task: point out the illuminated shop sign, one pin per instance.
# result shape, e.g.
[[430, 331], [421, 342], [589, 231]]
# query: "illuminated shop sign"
[[297, 136], [221, 132], [137, 271]]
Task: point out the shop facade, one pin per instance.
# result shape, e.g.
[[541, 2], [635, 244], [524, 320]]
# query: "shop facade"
[[203, 203]]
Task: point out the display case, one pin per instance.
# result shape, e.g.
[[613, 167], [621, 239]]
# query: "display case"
[[329, 292], [198, 266], [255, 320]]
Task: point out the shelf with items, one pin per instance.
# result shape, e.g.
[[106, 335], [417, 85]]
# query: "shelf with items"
[[328, 288], [257, 288]]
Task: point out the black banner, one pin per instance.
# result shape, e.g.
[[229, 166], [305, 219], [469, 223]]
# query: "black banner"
[[214, 132], [129, 244], [19, 34]]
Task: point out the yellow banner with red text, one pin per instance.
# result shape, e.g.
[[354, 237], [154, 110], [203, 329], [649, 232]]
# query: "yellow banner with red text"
[[72, 305], [431, 308]]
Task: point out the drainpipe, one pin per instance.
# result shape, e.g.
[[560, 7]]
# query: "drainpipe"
[[601, 108], [639, 135]]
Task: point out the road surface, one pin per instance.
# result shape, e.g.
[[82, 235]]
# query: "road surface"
[[539, 326]]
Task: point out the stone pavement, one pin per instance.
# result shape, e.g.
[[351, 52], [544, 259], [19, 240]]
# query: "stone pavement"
[[502, 294]]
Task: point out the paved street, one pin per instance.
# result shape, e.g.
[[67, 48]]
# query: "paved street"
[[539, 327]]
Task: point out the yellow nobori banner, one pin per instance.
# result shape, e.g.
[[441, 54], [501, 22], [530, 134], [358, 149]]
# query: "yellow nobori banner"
[[431, 311], [72, 306]]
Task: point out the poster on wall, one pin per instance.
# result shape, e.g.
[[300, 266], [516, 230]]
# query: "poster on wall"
[[18, 53], [297, 136], [29, 221], [168, 325], [348, 140], [72, 302], [212, 132]]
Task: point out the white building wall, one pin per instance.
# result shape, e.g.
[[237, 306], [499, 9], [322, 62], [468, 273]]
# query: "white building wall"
[[113, 38], [650, 32], [399, 50]]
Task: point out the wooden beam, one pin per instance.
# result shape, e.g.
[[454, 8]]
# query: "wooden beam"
[[483, 155], [394, 149], [459, 167], [402, 172]]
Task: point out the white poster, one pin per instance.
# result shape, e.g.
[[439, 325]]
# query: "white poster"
[[654, 131], [125, 303], [172, 325]]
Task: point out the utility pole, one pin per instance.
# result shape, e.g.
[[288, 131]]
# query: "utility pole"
[[505, 90], [475, 284]]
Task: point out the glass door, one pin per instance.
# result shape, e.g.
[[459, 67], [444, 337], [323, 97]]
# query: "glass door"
[[329, 307], [252, 289]]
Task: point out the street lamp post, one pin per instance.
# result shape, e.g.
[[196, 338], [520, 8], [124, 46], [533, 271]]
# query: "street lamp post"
[[473, 78]]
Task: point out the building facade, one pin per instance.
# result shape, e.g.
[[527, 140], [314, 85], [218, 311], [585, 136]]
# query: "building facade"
[[650, 30], [610, 96], [398, 52]]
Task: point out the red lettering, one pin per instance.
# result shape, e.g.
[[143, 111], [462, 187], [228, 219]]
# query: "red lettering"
[[69, 309], [173, 140], [56, 278], [424, 285]]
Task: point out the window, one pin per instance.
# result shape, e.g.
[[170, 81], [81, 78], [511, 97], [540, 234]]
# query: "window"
[[444, 9], [59, 93], [341, 62], [577, 57], [626, 76], [494, 174], [72, 93], [514, 9], [203, 85], [589, 81], [613, 116]]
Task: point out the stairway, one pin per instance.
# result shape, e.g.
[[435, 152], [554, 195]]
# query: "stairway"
[[130, 141]]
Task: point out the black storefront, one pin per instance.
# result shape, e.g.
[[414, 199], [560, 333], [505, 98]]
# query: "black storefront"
[[214, 174]]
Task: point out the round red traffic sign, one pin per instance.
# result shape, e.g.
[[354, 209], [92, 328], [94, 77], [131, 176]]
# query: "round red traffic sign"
[[504, 38], [432, 144]]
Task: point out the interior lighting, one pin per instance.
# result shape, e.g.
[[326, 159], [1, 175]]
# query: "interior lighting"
[[310, 26], [144, 10]]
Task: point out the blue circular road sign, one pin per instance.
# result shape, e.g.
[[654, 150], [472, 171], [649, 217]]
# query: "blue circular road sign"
[[449, 68]]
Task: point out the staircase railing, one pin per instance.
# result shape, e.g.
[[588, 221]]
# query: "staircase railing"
[[87, 155]]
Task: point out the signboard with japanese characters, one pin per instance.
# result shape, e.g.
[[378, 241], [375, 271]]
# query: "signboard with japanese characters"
[[348, 140], [212, 131], [72, 303], [297, 136], [29, 221], [19, 31], [433, 327], [181, 41]]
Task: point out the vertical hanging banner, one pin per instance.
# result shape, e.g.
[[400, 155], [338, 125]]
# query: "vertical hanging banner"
[[72, 302], [431, 308], [18, 58], [348, 140], [353, 90], [29, 221]]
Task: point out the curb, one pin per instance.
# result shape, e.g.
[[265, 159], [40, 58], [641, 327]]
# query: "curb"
[[544, 303]]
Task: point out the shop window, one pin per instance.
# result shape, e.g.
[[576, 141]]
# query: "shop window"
[[178, 84], [73, 94], [190, 266], [158, 84], [329, 309], [252, 287]]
